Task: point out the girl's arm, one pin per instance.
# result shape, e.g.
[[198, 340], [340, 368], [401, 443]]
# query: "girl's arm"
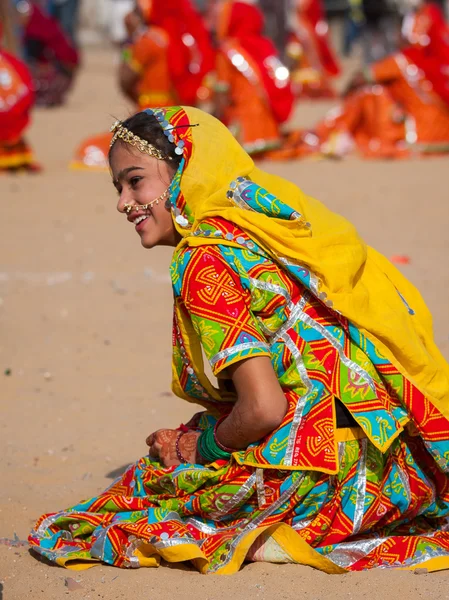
[[261, 404]]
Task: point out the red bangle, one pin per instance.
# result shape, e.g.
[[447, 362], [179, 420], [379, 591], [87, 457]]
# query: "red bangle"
[[217, 441], [178, 450]]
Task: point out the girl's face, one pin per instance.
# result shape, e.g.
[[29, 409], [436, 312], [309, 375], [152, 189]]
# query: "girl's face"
[[140, 179]]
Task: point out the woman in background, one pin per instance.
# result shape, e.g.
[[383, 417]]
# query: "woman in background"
[[427, 28], [253, 94], [190, 53], [51, 56], [309, 50], [395, 108], [166, 61]]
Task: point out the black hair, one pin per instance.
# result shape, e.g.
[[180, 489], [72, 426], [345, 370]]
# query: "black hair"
[[148, 128]]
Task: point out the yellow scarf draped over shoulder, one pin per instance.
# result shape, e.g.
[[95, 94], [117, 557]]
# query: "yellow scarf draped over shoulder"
[[361, 283]]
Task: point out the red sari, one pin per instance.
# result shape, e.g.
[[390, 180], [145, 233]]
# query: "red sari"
[[190, 54], [310, 50], [16, 100], [427, 29], [52, 58], [257, 83]]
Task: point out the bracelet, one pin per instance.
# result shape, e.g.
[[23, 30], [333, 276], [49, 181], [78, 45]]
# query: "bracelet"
[[208, 448], [181, 459], [217, 441]]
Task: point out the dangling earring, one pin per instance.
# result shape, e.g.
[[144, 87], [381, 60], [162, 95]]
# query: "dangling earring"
[[168, 204]]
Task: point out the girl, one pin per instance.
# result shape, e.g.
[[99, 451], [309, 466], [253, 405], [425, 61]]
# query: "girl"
[[326, 441]]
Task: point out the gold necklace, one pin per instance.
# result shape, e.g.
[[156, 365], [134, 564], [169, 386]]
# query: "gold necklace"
[[128, 208]]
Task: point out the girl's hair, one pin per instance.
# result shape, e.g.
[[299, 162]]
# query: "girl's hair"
[[148, 128]]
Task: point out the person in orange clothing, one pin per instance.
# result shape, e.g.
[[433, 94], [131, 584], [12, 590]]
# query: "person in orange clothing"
[[397, 108], [312, 60], [253, 94], [16, 101], [144, 77], [190, 53], [144, 74]]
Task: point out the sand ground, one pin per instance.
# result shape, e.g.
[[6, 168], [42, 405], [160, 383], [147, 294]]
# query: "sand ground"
[[85, 331]]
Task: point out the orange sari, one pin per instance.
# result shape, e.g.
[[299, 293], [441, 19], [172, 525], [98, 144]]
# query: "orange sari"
[[147, 57], [257, 86], [404, 111], [309, 49]]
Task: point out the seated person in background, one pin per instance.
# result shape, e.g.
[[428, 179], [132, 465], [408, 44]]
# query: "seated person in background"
[[51, 56], [253, 94], [397, 107], [309, 50]]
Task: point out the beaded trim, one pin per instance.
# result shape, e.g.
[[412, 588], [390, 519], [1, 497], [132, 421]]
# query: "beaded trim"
[[121, 132], [167, 128]]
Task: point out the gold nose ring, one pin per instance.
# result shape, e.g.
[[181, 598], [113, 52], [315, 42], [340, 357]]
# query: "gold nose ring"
[[130, 207]]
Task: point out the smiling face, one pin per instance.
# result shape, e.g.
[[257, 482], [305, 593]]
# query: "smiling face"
[[139, 180]]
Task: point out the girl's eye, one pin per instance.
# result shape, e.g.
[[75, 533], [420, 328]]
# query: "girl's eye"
[[134, 181]]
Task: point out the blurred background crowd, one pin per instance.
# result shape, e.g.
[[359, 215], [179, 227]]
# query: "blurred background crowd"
[[248, 62]]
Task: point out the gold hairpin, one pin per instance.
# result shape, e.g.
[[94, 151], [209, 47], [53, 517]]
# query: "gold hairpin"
[[128, 208], [120, 131]]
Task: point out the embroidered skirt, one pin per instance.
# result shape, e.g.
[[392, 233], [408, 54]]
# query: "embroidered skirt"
[[387, 510]]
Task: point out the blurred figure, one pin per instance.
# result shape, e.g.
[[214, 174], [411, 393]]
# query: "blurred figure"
[[52, 59], [380, 33], [166, 62], [426, 27], [66, 12], [144, 77], [397, 108], [190, 53], [309, 50], [275, 13], [16, 101], [353, 25], [253, 91], [144, 74]]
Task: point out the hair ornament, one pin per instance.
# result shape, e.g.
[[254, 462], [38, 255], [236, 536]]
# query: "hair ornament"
[[127, 136], [168, 128]]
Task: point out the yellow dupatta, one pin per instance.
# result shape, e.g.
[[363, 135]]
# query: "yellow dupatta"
[[361, 283]]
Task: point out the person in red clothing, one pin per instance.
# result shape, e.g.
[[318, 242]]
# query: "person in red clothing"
[[190, 54], [427, 29], [52, 58], [310, 51], [253, 91], [16, 100]]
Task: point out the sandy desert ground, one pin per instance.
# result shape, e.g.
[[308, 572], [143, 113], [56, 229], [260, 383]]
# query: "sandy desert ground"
[[85, 344]]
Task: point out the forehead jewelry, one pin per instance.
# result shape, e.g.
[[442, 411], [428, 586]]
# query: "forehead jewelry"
[[121, 132], [128, 208]]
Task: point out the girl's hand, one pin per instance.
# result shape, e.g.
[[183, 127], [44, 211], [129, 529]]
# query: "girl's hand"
[[162, 446]]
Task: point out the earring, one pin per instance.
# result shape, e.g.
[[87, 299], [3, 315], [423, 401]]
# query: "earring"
[[168, 204]]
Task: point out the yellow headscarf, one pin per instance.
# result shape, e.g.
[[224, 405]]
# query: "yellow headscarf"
[[361, 283]]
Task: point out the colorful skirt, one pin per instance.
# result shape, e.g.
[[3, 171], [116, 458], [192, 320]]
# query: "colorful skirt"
[[15, 155], [381, 510]]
